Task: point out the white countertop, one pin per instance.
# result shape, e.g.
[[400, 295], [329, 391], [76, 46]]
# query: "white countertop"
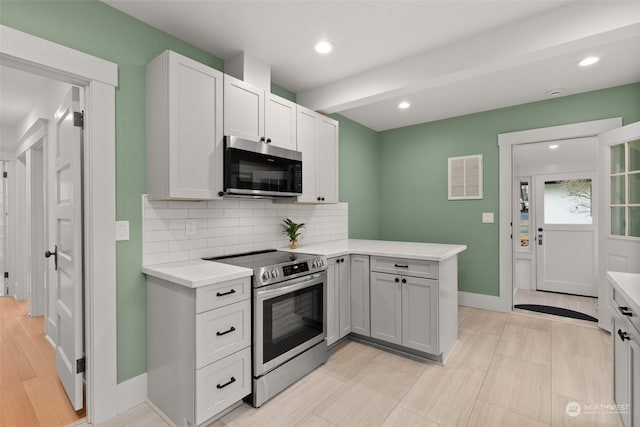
[[196, 273], [628, 284], [410, 250]]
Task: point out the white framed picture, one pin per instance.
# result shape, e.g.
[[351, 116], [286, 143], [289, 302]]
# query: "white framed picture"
[[465, 177]]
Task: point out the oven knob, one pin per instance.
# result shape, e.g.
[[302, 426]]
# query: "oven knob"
[[265, 276], [274, 273]]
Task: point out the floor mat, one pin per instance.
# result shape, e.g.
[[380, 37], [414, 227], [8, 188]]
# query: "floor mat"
[[557, 311]]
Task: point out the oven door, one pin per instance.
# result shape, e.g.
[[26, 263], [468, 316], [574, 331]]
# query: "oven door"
[[289, 318], [257, 169]]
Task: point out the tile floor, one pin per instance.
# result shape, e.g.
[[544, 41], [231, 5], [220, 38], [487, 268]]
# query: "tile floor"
[[508, 369]]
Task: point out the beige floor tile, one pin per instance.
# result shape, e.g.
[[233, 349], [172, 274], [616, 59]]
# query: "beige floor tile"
[[578, 340], [533, 345], [577, 303], [355, 405], [474, 350], [289, 407], [349, 359], [444, 394], [485, 414], [402, 363], [401, 417], [488, 322], [385, 380], [585, 378], [588, 416], [519, 386], [313, 420], [529, 320]]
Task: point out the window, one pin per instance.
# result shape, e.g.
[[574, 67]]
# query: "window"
[[568, 202], [524, 213], [625, 189]]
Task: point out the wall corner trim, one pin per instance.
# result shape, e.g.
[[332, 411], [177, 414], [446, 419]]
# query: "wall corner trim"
[[132, 392]]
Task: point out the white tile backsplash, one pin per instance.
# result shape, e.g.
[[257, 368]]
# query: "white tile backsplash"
[[231, 226]]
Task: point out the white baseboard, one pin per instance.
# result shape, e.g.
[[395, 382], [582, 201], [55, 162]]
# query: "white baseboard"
[[132, 392], [485, 302]]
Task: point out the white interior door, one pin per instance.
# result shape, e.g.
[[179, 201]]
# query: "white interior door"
[[619, 167], [565, 233], [67, 255]]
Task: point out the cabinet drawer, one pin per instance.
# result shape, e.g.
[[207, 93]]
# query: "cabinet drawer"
[[622, 307], [221, 384], [222, 331], [221, 294], [406, 267]]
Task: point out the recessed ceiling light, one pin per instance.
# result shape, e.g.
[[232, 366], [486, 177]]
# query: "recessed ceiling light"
[[589, 60], [404, 105], [324, 46], [553, 146]]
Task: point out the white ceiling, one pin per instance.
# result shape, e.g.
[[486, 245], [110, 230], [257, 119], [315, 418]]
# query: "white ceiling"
[[447, 58], [20, 91]]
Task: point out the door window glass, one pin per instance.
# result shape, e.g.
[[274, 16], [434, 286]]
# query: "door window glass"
[[524, 213], [567, 202], [625, 189]]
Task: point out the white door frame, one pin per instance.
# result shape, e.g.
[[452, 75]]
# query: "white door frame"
[[99, 78], [506, 141]]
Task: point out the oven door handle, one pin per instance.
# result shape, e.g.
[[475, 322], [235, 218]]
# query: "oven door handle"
[[297, 284]]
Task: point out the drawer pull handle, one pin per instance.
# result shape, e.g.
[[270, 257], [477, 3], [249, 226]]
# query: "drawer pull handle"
[[623, 335], [231, 381], [228, 331], [221, 294], [402, 266], [625, 311]]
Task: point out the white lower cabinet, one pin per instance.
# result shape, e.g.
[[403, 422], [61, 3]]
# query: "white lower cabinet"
[[404, 311], [360, 321], [198, 348], [626, 362], [338, 299]]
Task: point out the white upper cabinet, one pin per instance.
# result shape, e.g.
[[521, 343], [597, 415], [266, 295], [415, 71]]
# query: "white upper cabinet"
[[184, 133], [252, 114], [317, 137], [243, 109], [280, 121]]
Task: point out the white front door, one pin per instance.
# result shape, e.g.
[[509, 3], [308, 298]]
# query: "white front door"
[[565, 233], [67, 254], [619, 166]]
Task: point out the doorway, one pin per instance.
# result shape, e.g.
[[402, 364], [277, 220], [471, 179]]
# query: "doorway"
[[555, 250]]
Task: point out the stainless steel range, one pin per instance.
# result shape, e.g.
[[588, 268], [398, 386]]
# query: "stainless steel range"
[[289, 317]]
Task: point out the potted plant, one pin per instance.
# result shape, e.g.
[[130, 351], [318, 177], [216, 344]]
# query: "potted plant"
[[292, 231]]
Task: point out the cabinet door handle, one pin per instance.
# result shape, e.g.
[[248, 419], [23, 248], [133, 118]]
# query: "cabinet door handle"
[[404, 280], [228, 331], [625, 311], [268, 140], [623, 335], [231, 381], [401, 266], [396, 280], [221, 294], [262, 139]]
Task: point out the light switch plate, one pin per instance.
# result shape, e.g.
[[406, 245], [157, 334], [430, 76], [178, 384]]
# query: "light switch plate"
[[487, 217], [122, 230]]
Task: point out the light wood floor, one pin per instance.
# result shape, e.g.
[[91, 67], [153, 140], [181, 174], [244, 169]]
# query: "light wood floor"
[[508, 369], [30, 393], [577, 303]]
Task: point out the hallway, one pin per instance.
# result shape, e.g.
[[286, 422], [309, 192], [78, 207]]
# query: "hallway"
[[30, 392]]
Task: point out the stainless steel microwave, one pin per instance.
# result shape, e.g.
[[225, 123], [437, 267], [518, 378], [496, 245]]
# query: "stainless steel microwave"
[[258, 169]]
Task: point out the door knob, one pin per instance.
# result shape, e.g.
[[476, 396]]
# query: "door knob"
[[47, 254]]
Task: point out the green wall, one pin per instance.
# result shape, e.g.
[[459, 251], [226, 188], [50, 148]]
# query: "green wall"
[[95, 28], [413, 174], [359, 177]]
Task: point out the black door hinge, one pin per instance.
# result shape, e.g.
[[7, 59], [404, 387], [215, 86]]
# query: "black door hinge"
[[78, 119], [80, 365], [5, 174], [6, 274]]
